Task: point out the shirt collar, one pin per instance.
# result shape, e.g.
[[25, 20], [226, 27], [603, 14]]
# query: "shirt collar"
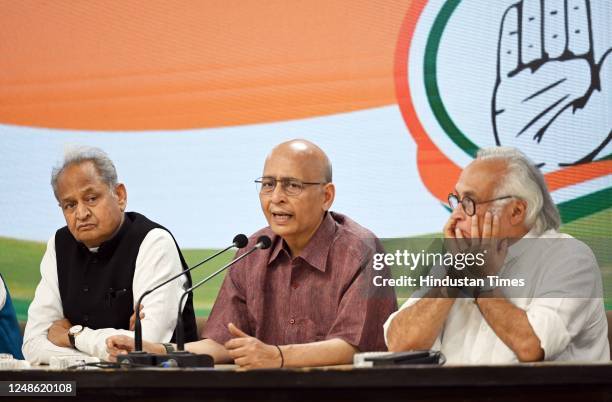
[[316, 251]]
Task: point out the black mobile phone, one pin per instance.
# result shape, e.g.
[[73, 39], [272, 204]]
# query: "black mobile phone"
[[403, 358]]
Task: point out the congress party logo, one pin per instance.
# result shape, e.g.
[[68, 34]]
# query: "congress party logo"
[[549, 83], [533, 74]]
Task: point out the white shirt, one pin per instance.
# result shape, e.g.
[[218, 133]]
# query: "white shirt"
[[562, 298], [2, 294], [157, 260]]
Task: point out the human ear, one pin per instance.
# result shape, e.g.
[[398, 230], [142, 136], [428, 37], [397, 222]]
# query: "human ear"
[[330, 193], [518, 212], [121, 193]]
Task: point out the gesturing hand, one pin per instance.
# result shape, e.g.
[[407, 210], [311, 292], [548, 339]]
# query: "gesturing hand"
[[549, 83], [249, 352]]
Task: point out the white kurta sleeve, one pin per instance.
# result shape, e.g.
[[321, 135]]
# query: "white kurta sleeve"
[[567, 298], [2, 294], [44, 310]]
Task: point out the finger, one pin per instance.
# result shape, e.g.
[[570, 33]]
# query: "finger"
[[113, 351], [554, 28], [236, 343], [114, 341], [449, 228], [116, 352], [235, 331], [141, 311], [474, 231], [242, 361], [495, 227], [531, 31], [111, 348], [578, 27], [120, 342], [461, 243], [133, 320], [507, 51], [238, 353], [489, 241], [486, 227]]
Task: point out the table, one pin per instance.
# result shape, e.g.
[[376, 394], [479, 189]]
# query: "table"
[[524, 382]]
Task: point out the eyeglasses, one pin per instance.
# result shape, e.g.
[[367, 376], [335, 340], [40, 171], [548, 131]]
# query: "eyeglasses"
[[291, 186], [468, 204]]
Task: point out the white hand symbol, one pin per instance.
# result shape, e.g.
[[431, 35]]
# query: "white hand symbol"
[[551, 99]]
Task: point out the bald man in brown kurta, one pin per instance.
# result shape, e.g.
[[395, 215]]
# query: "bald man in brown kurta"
[[309, 299]]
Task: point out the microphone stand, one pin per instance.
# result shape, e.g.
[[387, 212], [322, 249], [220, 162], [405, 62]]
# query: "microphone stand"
[[140, 357], [181, 357]]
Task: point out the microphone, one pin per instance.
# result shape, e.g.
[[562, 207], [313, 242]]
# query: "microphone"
[[187, 359], [140, 357]]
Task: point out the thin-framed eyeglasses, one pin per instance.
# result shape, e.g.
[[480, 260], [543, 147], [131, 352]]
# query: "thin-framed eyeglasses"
[[291, 186], [468, 204]]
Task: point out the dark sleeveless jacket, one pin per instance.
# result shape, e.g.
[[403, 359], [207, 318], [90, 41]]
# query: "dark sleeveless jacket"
[[96, 288]]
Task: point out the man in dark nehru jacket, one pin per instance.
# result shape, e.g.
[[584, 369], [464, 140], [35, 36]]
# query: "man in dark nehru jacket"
[[96, 267], [308, 300]]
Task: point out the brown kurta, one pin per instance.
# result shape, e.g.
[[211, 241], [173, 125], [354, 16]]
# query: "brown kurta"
[[324, 293]]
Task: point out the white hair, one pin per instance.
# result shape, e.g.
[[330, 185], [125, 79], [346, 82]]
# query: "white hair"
[[81, 154], [525, 181]]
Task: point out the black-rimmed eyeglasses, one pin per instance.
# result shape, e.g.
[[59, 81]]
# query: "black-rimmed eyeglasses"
[[291, 186], [468, 204]]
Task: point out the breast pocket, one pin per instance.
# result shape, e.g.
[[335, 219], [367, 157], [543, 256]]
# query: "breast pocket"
[[119, 304]]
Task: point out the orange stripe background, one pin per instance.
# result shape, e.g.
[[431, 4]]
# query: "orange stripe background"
[[154, 64]]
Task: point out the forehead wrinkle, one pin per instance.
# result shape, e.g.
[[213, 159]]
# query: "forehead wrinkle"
[[88, 189], [84, 180]]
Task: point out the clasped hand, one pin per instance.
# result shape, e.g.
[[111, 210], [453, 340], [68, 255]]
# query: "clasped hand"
[[488, 245], [58, 331]]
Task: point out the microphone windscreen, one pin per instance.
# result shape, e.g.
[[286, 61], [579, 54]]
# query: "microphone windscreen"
[[264, 241], [240, 241]]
